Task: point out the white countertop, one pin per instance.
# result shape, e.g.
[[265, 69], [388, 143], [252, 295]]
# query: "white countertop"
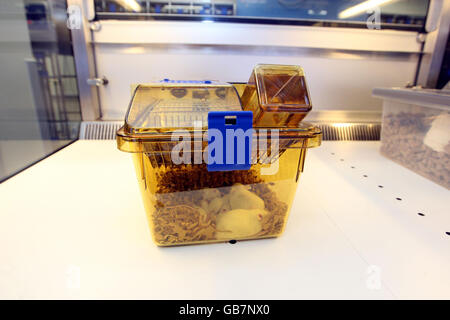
[[73, 226]]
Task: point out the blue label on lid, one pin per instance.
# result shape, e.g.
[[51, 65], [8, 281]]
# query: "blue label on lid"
[[187, 81]]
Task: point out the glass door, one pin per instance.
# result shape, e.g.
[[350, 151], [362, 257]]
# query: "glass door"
[[39, 105]]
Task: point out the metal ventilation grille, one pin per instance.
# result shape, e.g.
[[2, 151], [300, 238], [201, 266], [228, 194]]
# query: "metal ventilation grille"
[[351, 131], [99, 130], [106, 130]]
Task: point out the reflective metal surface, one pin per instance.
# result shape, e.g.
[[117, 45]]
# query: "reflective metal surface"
[[84, 60], [387, 14], [434, 50]]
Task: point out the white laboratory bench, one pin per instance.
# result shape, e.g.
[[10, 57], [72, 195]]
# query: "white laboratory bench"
[[73, 226]]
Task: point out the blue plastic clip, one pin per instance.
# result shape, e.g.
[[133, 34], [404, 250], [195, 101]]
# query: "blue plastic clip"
[[230, 135]]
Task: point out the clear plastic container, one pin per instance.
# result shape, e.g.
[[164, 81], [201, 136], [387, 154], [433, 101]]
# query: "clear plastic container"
[[186, 203], [277, 95], [416, 131]]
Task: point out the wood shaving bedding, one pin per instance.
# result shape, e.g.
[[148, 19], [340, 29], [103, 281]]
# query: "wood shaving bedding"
[[179, 217]]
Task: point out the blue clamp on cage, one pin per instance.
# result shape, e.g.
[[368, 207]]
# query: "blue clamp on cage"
[[230, 135]]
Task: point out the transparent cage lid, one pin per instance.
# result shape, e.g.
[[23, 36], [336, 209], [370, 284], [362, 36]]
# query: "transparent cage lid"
[[281, 88], [157, 110], [165, 106]]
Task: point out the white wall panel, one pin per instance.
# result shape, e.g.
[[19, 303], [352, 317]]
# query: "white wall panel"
[[338, 81], [342, 65]]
